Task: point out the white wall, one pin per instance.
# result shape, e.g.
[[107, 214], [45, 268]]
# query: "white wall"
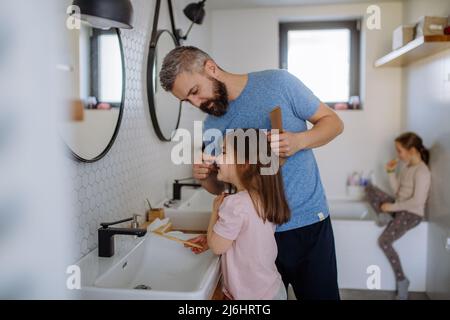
[[427, 112], [138, 166], [34, 238], [246, 40]]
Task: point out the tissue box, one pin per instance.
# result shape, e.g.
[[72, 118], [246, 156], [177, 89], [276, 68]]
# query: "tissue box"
[[401, 36], [428, 26]]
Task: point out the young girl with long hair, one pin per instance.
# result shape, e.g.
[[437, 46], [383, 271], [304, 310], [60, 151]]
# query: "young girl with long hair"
[[242, 225]]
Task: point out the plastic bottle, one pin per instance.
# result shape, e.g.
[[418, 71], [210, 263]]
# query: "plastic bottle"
[[372, 177]]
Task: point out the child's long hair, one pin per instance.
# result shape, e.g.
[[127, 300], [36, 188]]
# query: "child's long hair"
[[409, 140], [266, 191]]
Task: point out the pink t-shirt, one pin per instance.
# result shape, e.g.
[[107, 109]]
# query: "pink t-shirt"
[[248, 267]]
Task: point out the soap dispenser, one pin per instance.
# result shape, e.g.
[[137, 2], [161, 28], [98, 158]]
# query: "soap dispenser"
[[135, 222]]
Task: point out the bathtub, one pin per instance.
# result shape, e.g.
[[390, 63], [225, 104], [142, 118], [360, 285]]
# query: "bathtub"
[[356, 234]]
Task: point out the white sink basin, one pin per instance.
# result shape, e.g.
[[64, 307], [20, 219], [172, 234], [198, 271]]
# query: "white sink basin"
[[162, 268], [200, 201], [193, 211]]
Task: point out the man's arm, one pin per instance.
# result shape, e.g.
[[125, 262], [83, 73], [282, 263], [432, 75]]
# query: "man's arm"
[[326, 126]]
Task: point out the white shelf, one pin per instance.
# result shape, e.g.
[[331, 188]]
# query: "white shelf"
[[415, 50]]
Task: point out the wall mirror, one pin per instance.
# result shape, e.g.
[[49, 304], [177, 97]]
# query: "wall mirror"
[[165, 108], [97, 87]]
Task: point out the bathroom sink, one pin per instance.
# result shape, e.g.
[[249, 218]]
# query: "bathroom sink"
[[192, 212], [200, 200], [154, 268]]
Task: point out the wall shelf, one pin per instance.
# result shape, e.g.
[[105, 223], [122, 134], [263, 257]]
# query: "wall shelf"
[[415, 50]]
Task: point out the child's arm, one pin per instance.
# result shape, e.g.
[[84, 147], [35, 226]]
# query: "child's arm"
[[216, 243], [393, 181], [422, 182], [390, 169]]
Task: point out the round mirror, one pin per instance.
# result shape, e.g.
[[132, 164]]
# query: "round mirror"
[[165, 108], [91, 125]]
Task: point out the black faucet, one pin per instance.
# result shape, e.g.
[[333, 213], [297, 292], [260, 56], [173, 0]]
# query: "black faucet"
[[177, 185], [106, 236]]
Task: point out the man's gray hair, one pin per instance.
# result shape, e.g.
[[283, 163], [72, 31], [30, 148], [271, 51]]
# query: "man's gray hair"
[[179, 60]]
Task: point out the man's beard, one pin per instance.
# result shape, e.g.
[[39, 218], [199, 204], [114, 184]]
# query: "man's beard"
[[218, 105]]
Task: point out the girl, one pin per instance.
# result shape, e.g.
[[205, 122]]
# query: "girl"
[[406, 210], [242, 225]]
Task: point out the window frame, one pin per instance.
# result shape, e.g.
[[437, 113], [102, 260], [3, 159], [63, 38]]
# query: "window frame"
[[353, 25]]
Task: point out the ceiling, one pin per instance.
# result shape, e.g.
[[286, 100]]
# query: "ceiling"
[[239, 4]]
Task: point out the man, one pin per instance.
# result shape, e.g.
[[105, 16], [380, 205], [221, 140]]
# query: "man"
[[306, 253]]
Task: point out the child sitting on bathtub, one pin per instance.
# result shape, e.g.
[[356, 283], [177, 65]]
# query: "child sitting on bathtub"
[[406, 210], [242, 225]]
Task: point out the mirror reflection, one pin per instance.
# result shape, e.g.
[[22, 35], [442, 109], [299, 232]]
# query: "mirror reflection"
[[97, 87], [165, 108]]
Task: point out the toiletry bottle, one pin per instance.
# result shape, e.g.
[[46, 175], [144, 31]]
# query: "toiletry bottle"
[[355, 178], [372, 177]]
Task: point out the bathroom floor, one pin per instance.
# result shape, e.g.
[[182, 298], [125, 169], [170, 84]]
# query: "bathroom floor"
[[353, 294], [349, 294]]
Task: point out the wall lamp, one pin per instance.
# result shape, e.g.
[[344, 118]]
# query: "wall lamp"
[[106, 14]]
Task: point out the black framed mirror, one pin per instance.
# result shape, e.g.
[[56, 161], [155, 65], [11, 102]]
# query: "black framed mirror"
[[97, 69], [164, 107]]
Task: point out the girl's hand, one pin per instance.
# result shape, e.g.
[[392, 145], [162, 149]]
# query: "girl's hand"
[[386, 207], [201, 240], [218, 201], [285, 144], [391, 165]]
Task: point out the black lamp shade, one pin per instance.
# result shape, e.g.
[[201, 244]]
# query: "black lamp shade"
[[195, 12], [105, 14]]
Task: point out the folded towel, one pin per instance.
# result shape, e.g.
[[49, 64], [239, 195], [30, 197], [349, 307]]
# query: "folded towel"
[[156, 224]]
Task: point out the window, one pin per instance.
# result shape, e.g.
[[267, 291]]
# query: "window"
[[110, 72], [101, 74], [325, 56]]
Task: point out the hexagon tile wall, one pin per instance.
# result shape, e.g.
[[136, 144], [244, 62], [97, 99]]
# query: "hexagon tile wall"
[[138, 166]]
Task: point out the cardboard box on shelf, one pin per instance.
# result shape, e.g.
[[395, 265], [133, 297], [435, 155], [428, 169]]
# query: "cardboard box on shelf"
[[76, 112], [428, 26], [402, 35]]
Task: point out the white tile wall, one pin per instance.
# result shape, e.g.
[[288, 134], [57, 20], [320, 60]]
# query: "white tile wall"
[[138, 166]]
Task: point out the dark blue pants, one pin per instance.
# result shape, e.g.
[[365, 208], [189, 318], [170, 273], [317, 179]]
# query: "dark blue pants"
[[307, 260]]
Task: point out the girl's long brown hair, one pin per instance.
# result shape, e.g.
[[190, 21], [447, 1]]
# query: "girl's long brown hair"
[[266, 191], [409, 140]]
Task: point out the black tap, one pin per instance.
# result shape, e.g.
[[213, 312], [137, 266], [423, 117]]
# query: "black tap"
[[106, 236], [177, 185]]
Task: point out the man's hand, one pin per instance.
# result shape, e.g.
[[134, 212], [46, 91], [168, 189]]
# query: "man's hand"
[[285, 144], [202, 170], [200, 240]]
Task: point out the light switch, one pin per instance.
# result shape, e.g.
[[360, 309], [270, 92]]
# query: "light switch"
[[447, 244]]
